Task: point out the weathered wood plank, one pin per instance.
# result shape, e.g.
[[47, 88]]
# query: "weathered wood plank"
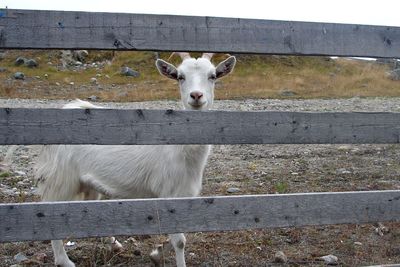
[[58, 126], [43, 221], [83, 30]]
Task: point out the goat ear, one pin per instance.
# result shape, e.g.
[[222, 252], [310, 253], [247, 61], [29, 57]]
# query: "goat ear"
[[225, 67], [167, 69]]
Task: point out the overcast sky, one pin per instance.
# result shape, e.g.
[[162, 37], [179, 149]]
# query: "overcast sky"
[[374, 12]]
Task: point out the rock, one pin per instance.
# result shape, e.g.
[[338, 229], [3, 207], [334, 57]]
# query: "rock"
[[233, 190], [330, 259], [20, 61], [2, 69], [20, 173], [280, 257], [343, 171], [31, 63], [92, 98], [93, 80], [394, 74], [66, 58], [19, 75], [40, 257], [57, 83], [20, 257], [78, 63], [286, 92], [46, 75], [71, 83], [126, 71], [123, 94], [358, 243], [80, 55], [381, 229]]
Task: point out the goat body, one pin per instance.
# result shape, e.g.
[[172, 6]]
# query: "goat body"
[[121, 171], [77, 172]]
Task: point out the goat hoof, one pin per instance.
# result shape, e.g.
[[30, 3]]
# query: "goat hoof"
[[65, 263]]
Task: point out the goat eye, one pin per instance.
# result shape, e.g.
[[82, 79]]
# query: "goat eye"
[[181, 78], [212, 77]]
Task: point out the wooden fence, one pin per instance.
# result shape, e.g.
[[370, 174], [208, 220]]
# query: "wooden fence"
[[26, 29]]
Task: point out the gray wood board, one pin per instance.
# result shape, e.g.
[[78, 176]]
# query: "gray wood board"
[[130, 127], [44, 221], [23, 29]]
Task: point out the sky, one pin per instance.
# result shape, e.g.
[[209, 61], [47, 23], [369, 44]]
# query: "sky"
[[372, 12]]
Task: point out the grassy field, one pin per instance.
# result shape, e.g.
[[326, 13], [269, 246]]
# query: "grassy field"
[[254, 77]]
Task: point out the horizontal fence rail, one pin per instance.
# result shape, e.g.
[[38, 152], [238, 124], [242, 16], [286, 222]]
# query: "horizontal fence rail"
[[102, 126], [45, 221], [23, 29]]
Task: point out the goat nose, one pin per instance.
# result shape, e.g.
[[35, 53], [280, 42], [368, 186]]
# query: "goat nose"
[[196, 95]]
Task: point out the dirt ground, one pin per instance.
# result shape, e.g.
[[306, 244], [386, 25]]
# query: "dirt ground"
[[253, 169]]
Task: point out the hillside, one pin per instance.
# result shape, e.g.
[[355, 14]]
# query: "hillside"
[[254, 77]]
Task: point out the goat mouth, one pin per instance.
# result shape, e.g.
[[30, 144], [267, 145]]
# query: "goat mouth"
[[197, 105]]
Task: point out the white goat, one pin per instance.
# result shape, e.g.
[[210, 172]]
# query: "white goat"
[[67, 172]]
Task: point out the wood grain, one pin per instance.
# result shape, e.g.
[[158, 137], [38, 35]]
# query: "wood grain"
[[44, 221], [138, 127], [21, 29]]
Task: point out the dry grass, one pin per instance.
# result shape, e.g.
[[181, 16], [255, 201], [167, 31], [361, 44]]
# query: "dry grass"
[[254, 77]]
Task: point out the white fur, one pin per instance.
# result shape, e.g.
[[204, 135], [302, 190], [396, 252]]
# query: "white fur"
[[71, 172]]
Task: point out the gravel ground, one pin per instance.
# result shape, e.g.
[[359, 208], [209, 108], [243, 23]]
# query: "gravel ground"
[[248, 169]]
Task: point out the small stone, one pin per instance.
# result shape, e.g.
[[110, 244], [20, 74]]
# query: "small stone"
[[98, 75], [57, 83], [92, 98], [19, 75], [295, 173], [330, 259], [20, 61], [37, 77], [107, 76], [20, 257], [358, 243], [93, 80], [233, 190], [344, 148], [3, 69], [287, 93], [71, 83], [191, 254], [31, 63], [78, 63], [129, 72], [46, 75], [342, 171], [280, 257], [20, 183], [70, 244]]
